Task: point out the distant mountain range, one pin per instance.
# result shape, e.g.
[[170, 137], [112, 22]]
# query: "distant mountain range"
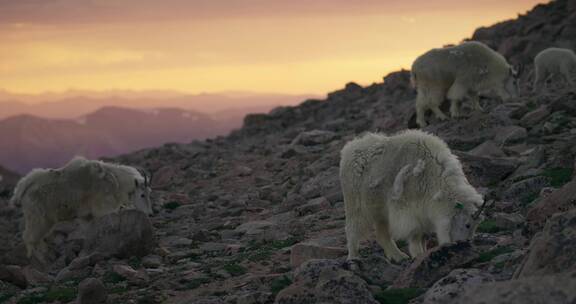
[[47, 130], [75, 103]]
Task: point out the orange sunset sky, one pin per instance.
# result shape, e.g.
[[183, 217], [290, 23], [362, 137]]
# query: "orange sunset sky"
[[282, 46]]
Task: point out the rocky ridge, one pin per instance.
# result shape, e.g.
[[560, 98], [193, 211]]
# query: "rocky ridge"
[[257, 216]]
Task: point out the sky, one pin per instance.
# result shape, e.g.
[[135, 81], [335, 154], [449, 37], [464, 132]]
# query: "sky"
[[196, 46]]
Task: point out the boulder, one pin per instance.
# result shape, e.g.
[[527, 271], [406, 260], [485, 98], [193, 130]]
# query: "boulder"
[[561, 200], [455, 283], [91, 291], [435, 264], [554, 249], [553, 289], [325, 281]]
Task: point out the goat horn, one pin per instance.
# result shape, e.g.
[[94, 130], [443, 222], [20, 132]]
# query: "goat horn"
[[477, 214]]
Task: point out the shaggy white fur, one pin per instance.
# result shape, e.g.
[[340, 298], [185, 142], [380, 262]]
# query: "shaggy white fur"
[[554, 62], [458, 72], [82, 189], [405, 186]]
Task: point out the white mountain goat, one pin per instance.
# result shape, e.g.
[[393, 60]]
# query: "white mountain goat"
[[405, 186], [554, 62], [456, 72], [83, 189]]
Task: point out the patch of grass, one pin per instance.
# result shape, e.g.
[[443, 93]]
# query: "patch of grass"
[[61, 294], [529, 199], [112, 278], [401, 243], [234, 269], [117, 289], [55, 294], [558, 176], [135, 262], [398, 296], [488, 226], [489, 255], [4, 297], [172, 205], [280, 283]]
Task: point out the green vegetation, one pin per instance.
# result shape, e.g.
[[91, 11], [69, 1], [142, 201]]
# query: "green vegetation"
[[172, 205], [234, 269], [112, 277], [280, 283], [488, 226], [558, 176], [398, 296], [529, 199], [4, 297], [489, 255], [54, 294]]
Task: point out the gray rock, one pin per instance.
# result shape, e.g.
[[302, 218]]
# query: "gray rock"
[[125, 234], [92, 291], [553, 289], [303, 252], [487, 149], [326, 184], [313, 206], [534, 117], [131, 275], [526, 188], [510, 134], [558, 201], [455, 283], [35, 277], [314, 137], [435, 264], [507, 221], [324, 282], [554, 249], [13, 274]]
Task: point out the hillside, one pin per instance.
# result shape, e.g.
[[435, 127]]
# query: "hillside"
[[257, 216]]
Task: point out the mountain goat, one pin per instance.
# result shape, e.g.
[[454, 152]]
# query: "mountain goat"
[[405, 186], [83, 189], [456, 72], [554, 62]]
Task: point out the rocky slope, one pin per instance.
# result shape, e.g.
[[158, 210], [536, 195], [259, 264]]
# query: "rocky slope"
[[257, 216]]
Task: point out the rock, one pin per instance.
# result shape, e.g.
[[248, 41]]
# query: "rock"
[[377, 270], [124, 234], [243, 171], [554, 249], [507, 221], [313, 206], [91, 291], [482, 171], [553, 289], [152, 261], [561, 200], [534, 117], [14, 275], [525, 188], [487, 149], [435, 264], [85, 261], [131, 275], [35, 277], [67, 274], [455, 283], [254, 227], [303, 252], [510, 134], [326, 183], [325, 281], [314, 137]]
